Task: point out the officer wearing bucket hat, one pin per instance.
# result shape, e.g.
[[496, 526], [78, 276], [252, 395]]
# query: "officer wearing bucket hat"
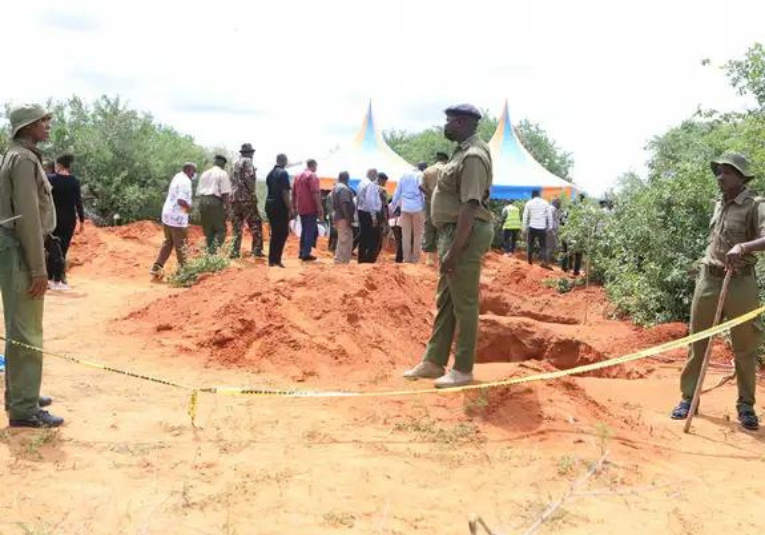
[[244, 203], [737, 230], [460, 212], [25, 197]]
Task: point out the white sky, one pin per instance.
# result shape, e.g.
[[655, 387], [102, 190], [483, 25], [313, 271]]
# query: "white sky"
[[602, 77]]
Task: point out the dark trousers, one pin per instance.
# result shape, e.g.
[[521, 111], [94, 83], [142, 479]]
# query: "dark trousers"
[[175, 238], [356, 237], [538, 236], [509, 240], [57, 258], [280, 230], [213, 217], [368, 239], [566, 259], [309, 230], [332, 245], [398, 234], [54, 258]]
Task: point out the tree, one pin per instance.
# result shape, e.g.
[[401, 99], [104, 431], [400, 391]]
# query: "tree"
[[124, 159], [647, 250], [747, 75]]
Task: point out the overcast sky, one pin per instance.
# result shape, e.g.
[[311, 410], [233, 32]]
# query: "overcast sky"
[[602, 77]]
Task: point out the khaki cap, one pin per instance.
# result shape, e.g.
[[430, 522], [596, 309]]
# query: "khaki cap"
[[736, 160], [24, 115]]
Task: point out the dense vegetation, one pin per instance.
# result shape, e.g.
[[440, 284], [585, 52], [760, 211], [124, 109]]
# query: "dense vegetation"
[[125, 159], [646, 250]]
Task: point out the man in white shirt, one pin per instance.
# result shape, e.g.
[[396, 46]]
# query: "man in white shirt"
[[175, 219], [213, 190], [408, 196], [536, 221], [369, 207]]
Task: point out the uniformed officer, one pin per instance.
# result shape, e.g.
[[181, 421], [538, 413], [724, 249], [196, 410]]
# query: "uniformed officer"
[[460, 212], [244, 203], [214, 192], [737, 230], [25, 197], [429, 180]]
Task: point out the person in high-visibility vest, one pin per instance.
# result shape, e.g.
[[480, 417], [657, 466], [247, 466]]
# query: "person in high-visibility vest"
[[511, 227]]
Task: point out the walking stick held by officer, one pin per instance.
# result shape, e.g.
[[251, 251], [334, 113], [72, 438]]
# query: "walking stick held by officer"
[[727, 285], [708, 352]]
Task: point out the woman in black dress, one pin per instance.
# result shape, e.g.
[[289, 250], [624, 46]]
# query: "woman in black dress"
[[68, 200]]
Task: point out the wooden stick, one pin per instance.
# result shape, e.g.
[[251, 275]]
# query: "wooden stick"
[[476, 521], [708, 352], [728, 378]]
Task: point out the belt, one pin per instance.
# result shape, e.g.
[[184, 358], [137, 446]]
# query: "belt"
[[717, 271], [211, 196]]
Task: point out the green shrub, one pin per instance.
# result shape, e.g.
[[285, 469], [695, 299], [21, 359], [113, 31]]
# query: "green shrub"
[[188, 275]]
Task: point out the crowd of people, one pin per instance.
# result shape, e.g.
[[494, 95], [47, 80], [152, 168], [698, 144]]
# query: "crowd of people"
[[358, 220], [540, 224], [447, 205]]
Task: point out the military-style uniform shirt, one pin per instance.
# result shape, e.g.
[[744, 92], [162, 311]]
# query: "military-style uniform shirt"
[[733, 222], [467, 177], [430, 178], [214, 181], [243, 181], [26, 191]]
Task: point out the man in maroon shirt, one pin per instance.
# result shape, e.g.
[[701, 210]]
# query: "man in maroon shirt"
[[306, 197]]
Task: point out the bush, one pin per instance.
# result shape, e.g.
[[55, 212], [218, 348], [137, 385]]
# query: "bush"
[[188, 275], [124, 158]]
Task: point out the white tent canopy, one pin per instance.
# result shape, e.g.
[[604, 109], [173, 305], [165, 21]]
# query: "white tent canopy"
[[367, 150], [516, 172]]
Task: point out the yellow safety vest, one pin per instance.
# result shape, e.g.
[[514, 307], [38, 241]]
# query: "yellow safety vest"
[[513, 218]]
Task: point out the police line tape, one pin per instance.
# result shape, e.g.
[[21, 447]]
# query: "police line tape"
[[545, 376]]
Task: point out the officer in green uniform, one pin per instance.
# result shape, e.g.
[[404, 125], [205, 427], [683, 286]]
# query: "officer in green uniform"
[[25, 200], [429, 180], [737, 230], [460, 212]]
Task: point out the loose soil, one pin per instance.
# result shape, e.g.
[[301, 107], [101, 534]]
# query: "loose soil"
[[128, 460]]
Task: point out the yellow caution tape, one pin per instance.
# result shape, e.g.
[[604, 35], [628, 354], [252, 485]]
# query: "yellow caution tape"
[[547, 376]]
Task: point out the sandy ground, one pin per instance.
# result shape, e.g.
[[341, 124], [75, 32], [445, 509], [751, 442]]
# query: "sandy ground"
[[128, 460]]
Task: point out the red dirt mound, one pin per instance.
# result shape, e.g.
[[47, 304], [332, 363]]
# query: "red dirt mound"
[[359, 317], [364, 321]]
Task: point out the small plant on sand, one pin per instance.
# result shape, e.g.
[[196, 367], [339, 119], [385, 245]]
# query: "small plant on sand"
[[563, 284], [188, 275], [429, 430], [604, 434], [44, 437], [41, 529], [475, 404], [566, 465], [345, 520]]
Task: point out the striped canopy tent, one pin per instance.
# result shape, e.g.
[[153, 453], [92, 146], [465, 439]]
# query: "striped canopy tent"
[[516, 172], [367, 150]]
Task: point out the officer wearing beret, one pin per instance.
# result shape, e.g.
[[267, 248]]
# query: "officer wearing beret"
[[27, 216], [736, 231], [460, 212]]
